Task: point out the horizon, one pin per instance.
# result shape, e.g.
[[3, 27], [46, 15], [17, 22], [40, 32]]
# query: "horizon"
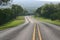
[[33, 4]]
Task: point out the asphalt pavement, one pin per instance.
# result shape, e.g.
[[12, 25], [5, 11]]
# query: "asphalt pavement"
[[32, 29], [49, 31]]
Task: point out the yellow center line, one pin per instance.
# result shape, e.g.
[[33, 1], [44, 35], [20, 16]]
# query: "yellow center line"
[[39, 33], [34, 33]]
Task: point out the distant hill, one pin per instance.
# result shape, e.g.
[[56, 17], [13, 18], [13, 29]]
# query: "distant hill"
[[31, 5]]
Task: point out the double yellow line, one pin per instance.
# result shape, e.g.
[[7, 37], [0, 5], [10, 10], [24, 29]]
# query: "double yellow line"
[[34, 32], [39, 33]]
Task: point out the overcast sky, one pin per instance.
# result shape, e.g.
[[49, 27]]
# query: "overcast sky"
[[32, 4]]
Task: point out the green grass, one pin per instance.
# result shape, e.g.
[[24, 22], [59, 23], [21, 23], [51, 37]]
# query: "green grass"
[[56, 22], [18, 21]]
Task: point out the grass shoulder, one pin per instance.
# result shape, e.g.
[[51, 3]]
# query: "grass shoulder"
[[56, 22], [18, 21]]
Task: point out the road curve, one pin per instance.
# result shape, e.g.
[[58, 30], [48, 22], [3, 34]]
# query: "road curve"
[[32, 30], [21, 32]]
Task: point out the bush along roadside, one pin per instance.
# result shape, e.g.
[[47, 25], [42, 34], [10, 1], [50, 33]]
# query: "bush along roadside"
[[10, 17], [50, 11], [55, 22], [8, 14], [13, 23]]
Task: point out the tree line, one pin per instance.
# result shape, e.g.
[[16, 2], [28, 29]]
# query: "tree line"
[[50, 11], [5, 1], [7, 14]]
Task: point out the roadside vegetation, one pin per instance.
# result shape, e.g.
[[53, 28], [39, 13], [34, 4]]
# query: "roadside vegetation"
[[49, 13], [4, 1], [11, 16], [8, 14], [13, 23], [56, 22]]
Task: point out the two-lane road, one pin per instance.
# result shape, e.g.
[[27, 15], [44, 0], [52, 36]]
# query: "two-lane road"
[[32, 30]]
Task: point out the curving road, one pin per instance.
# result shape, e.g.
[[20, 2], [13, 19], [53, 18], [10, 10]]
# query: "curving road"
[[32, 30]]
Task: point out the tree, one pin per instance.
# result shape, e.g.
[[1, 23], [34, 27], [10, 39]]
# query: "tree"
[[5, 1], [17, 10], [51, 11], [8, 14]]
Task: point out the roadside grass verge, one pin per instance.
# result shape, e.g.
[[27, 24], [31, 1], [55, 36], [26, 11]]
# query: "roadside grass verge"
[[56, 22], [18, 21]]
